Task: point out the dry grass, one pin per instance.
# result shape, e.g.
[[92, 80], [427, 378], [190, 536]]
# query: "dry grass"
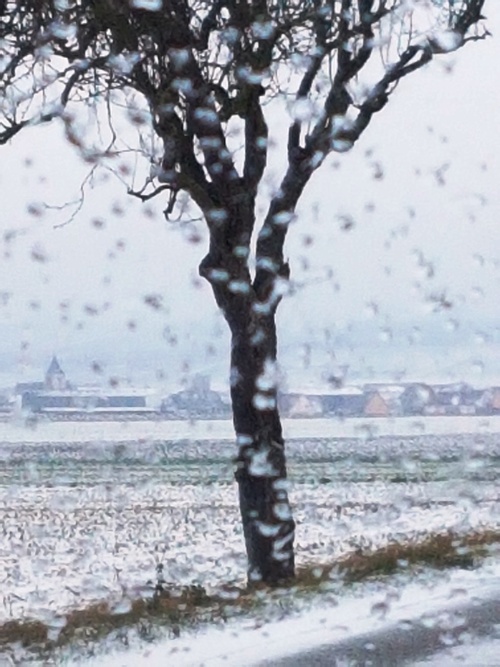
[[442, 550], [182, 606]]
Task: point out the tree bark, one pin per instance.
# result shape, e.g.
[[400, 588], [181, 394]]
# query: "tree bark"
[[267, 520], [268, 524]]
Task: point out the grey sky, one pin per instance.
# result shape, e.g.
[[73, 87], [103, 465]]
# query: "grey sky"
[[415, 274]]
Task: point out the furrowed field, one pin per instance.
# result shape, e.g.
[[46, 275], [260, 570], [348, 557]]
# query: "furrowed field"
[[83, 523]]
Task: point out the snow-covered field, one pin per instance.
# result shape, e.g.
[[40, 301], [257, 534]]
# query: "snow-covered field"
[[79, 524], [17, 431]]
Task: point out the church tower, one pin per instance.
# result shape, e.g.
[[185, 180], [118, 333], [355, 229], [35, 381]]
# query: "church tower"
[[55, 379]]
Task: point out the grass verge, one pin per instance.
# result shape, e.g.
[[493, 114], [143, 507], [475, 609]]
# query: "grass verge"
[[179, 607]]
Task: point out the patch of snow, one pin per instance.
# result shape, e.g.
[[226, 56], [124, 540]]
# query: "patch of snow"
[[223, 430], [255, 642]]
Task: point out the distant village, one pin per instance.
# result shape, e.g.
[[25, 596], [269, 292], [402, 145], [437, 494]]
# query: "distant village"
[[56, 398]]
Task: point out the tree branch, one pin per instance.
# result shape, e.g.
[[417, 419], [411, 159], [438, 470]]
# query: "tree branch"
[[209, 23], [256, 135], [143, 196], [10, 132]]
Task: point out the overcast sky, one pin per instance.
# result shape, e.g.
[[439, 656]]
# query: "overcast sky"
[[394, 253]]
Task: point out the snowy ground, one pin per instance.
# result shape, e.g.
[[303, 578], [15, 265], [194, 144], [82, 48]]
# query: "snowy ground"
[[80, 525], [435, 601], [92, 431]]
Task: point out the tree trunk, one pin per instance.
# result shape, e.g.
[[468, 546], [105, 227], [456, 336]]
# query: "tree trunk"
[[268, 525], [261, 474]]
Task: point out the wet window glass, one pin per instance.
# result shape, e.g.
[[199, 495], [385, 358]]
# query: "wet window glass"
[[249, 372]]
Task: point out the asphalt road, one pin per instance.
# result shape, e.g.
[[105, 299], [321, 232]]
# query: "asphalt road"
[[405, 644]]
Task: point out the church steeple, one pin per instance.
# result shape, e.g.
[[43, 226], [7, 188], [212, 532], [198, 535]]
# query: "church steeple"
[[55, 377]]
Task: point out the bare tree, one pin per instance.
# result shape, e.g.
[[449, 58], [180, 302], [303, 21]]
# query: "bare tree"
[[202, 67]]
